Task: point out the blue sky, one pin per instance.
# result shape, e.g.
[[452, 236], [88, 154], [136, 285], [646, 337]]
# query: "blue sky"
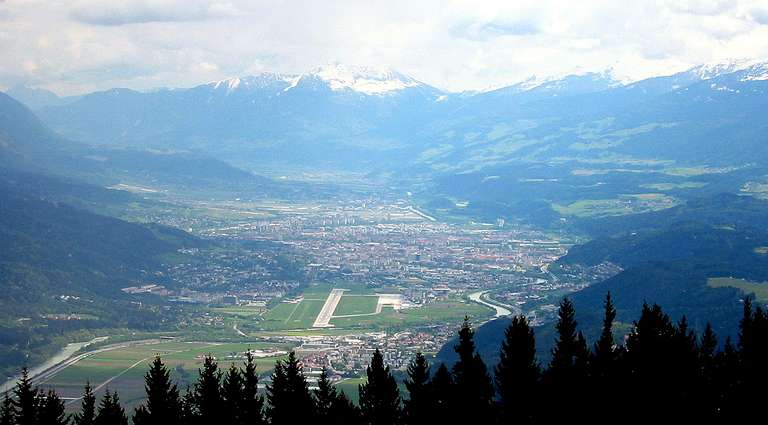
[[75, 46]]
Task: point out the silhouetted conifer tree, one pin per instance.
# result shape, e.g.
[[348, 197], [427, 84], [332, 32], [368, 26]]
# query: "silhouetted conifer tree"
[[26, 400], [604, 353], [87, 414], [708, 397], [163, 405], [7, 411], [325, 398], [568, 367], [726, 381], [753, 352], [110, 411], [289, 399], [566, 356], [649, 347], [517, 374], [687, 379], [232, 396], [443, 395], [252, 402], [345, 412], [418, 407], [471, 380], [207, 390], [52, 410], [379, 396], [188, 408]]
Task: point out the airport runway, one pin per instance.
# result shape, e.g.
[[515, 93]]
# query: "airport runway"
[[323, 319]]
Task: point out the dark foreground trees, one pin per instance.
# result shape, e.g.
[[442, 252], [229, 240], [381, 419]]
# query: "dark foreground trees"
[[664, 371]]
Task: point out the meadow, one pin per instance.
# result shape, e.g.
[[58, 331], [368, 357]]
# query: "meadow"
[[759, 289], [123, 368]]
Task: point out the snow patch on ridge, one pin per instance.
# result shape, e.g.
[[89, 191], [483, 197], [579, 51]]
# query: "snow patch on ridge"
[[363, 79]]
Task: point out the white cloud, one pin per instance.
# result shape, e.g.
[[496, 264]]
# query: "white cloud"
[[84, 45]]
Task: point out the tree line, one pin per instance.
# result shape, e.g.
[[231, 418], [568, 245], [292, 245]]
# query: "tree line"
[[661, 370]]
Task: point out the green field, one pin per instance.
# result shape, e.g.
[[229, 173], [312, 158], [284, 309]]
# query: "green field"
[[358, 301], [299, 315], [356, 304], [123, 369], [624, 204], [440, 312], [243, 312], [673, 186], [350, 386], [760, 289]]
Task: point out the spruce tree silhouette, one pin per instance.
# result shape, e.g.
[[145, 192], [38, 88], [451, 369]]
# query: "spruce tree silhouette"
[[471, 380], [651, 375], [345, 412], [207, 392], [26, 400], [707, 395], [163, 405], [333, 407], [604, 353], [444, 395], [52, 411], [568, 367], [232, 391], [753, 370], [417, 409], [87, 414], [7, 411], [252, 408], [605, 369], [289, 399], [517, 374], [110, 411], [687, 380], [188, 408], [727, 367], [379, 395], [325, 398]]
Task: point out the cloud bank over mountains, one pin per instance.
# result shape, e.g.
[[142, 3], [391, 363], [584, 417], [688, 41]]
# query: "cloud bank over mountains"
[[79, 46]]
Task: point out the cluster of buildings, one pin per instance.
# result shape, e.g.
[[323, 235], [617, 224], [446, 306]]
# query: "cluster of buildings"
[[349, 355]]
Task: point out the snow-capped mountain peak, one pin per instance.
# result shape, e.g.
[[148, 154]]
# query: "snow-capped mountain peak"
[[258, 81], [365, 80], [756, 72], [713, 70]]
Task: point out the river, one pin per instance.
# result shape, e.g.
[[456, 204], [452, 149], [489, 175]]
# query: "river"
[[500, 311], [68, 351]]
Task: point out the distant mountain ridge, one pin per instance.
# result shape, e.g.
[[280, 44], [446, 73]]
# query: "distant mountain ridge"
[[587, 136]]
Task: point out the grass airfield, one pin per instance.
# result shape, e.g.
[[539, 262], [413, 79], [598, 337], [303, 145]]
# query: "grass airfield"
[[359, 310], [123, 369]]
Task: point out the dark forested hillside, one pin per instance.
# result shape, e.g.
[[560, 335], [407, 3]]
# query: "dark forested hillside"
[[58, 260]]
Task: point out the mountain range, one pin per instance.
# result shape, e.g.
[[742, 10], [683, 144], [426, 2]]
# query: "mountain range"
[[489, 154]]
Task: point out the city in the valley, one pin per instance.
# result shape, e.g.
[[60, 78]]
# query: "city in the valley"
[[336, 280]]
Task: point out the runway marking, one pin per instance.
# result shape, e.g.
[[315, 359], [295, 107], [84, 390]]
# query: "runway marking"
[[324, 317]]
